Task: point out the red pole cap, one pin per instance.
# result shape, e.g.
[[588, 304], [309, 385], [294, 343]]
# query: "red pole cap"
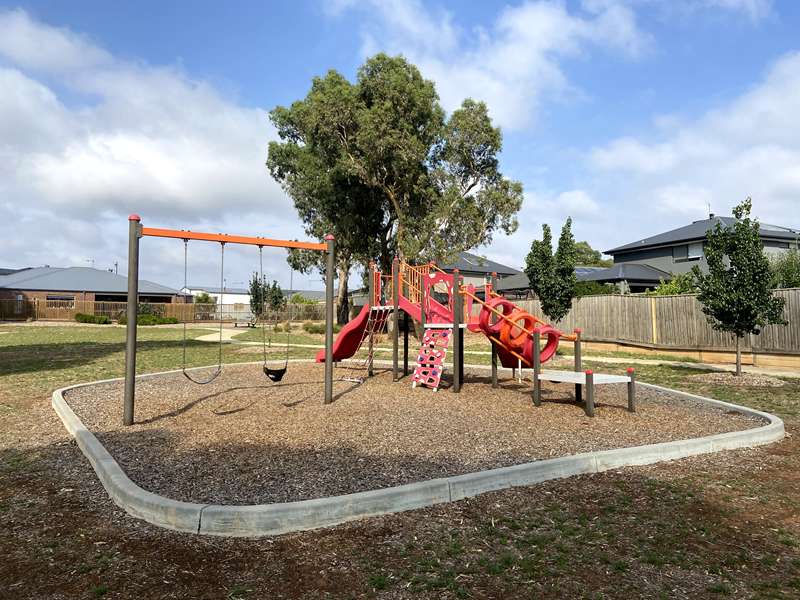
[[630, 369], [329, 237], [494, 273], [588, 371], [134, 217], [577, 330]]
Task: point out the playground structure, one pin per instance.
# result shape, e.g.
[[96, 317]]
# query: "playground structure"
[[444, 307], [438, 301], [136, 231]]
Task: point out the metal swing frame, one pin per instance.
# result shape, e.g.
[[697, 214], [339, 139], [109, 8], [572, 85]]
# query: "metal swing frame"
[[136, 232]]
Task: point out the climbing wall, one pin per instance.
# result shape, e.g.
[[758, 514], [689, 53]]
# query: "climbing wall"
[[430, 363]]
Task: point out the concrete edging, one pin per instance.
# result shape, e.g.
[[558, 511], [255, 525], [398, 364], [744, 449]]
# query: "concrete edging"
[[273, 519]]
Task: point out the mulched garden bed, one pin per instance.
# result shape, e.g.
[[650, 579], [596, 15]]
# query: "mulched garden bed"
[[244, 440]]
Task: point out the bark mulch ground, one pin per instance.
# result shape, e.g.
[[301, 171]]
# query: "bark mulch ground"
[[244, 440]]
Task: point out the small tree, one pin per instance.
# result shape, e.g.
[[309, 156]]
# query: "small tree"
[[552, 277], [274, 296], [205, 298], [258, 295], [786, 269], [682, 283], [736, 294]]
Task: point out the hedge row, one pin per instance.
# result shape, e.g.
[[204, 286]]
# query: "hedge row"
[[96, 319]]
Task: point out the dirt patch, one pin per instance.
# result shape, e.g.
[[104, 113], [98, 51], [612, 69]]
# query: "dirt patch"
[[243, 440], [743, 380]]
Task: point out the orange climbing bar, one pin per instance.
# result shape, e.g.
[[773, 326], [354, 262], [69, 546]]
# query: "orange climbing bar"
[[231, 239]]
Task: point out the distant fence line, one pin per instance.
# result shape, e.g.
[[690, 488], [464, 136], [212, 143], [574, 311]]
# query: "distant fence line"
[[670, 322], [65, 310], [657, 321]]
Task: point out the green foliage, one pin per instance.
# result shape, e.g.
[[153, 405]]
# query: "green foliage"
[[205, 298], [96, 319], [298, 298], [552, 277], [145, 320], [319, 328], [376, 163], [273, 296], [682, 283], [586, 256], [736, 294], [592, 288], [785, 269], [258, 294]]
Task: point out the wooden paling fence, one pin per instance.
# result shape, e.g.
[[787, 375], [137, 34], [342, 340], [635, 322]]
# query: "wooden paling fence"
[[65, 310], [670, 322]]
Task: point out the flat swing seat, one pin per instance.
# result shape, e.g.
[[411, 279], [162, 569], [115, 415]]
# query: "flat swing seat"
[[274, 374]]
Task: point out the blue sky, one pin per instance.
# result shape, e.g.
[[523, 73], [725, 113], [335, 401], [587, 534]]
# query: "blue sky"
[[628, 115]]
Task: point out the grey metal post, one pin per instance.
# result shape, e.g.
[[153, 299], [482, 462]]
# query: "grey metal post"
[[422, 299], [537, 368], [589, 393], [405, 343], [329, 269], [458, 309], [395, 317], [132, 311], [578, 365], [494, 346], [632, 390], [370, 300]]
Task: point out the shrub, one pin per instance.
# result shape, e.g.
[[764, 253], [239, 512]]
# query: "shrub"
[[96, 319], [148, 319], [319, 328]]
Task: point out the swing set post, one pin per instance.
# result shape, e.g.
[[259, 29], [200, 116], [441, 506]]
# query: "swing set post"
[[134, 232], [329, 268]]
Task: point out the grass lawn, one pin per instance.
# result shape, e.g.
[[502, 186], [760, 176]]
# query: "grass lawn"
[[720, 526]]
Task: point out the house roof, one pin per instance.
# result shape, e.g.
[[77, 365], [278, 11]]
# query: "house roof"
[[76, 279], [520, 281], [697, 231], [630, 272], [4, 271], [472, 263]]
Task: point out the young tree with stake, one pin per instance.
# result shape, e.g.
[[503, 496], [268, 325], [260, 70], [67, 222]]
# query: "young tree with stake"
[[736, 293]]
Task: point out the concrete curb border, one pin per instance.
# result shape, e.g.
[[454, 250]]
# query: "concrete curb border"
[[273, 519]]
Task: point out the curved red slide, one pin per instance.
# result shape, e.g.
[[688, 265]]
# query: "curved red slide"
[[347, 341]]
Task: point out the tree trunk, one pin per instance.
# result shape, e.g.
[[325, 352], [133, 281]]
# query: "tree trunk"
[[343, 301], [738, 356]]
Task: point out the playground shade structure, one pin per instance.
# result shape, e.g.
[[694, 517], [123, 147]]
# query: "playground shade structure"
[[504, 323]]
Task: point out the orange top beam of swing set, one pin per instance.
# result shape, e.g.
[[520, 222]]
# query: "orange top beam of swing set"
[[231, 239]]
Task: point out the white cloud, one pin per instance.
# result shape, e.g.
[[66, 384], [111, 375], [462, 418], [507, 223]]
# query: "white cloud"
[[749, 147], [755, 10], [139, 138], [513, 65]]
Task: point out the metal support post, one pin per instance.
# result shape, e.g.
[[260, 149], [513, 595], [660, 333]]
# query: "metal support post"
[[494, 346], [329, 273], [458, 355], [134, 227], [537, 369], [578, 364], [406, 326], [370, 302], [395, 317], [589, 393]]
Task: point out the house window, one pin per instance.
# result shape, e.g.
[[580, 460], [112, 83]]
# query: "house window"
[[60, 301], [19, 304], [695, 251]]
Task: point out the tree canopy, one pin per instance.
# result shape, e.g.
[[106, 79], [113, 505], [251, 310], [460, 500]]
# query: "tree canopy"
[[736, 293], [378, 164], [586, 256], [552, 276], [786, 269]]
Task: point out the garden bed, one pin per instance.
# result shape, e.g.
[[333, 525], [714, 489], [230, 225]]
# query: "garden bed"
[[244, 440]]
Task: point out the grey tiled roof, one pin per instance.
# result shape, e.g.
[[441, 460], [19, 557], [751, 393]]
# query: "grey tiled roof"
[[309, 294], [472, 263], [76, 279], [520, 280], [697, 231], [629, 272]]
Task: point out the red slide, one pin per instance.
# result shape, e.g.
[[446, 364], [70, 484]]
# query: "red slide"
[[347, 341]]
